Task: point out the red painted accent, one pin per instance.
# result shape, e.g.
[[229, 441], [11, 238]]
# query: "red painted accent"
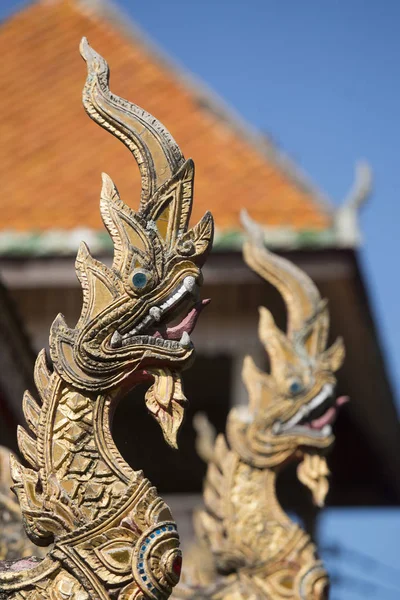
[[177, 565]]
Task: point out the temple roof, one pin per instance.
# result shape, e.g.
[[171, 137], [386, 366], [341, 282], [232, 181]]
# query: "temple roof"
[[52, 154]]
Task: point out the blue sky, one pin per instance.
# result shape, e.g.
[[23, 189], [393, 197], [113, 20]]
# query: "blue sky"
[[361, 552], [323, 80]]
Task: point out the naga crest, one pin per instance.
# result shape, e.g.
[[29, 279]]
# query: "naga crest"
[[291, 408], [130, 316]]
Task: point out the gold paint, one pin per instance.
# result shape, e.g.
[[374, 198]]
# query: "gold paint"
[[13, 540], [313, 472], [111, 534], [247, 547]]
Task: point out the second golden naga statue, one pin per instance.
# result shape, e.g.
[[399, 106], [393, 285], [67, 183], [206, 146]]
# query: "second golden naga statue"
[[247, 547]]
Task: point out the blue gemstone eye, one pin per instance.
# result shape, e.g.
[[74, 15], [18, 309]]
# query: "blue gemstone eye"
[[140, 279], [295, 387]]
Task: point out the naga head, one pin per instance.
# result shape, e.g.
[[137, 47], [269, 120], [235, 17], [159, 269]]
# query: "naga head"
[[138, 314], [291, 408]]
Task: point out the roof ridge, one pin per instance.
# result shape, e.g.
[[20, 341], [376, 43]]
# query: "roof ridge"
[[208, 97]]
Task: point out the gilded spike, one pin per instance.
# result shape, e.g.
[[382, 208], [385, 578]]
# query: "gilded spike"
[[112, 535], [109, 202], [13, 541], [100, 285], [31, 411], [171, 206], [334, 355], [205, 436], [27, 446], [42, 374]]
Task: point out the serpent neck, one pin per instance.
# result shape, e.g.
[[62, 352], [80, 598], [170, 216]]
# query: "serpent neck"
[[80, 454]]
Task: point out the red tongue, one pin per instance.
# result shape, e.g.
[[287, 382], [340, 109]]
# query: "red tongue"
[[326, 419], [342, 400], [187, 324], [330, 415]]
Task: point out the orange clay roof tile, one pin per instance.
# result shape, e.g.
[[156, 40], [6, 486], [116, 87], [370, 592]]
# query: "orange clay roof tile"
[[52, 155]]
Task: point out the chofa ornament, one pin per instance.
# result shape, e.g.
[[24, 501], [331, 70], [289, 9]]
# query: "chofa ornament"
[[112, 536], [247, 547]]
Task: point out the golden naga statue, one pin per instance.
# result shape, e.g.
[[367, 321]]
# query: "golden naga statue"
[[111, 535], [247, 547]]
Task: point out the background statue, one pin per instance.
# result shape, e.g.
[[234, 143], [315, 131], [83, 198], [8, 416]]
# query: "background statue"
[[249, 547]]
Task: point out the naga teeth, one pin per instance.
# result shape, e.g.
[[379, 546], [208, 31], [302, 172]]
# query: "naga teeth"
[[155, 313], [128, 340], [276, 428], [185, 340], [189, 282], [116, 339], [290, 425]]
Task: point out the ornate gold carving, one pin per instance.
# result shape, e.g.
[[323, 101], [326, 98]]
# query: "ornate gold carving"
[[313, 472], [112, 536], [247, 546], [13, 540]]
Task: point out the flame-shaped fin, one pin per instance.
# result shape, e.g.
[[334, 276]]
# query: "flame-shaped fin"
[[60, 330], [108, 198], [132, 241], [297, 289], [27, 446], [209, 529], [205, 436], [210, 523], [153, 147], [100, 285], [259, 385], [31, 411], [214, 476], [221, 450], [212, 500], [16, 470], [334, 356], [280, 350], [171, 206], [196, 242], [41, 521], [42, 374]]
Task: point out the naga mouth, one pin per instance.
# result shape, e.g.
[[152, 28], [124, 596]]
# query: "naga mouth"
[[159, 327], [314, 418]]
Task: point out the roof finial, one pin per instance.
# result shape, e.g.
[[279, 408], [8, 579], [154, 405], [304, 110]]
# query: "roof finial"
[[346, 219]]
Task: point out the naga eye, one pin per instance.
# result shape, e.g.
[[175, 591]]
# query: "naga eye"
[[296, 387], [140, 280]]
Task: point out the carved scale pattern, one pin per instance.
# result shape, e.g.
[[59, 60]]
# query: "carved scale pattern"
[[84, 476]]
